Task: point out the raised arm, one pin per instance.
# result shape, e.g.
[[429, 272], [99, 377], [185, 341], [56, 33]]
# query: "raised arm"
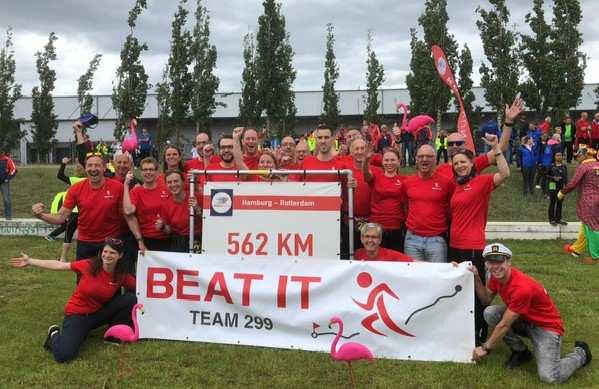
[[502, 166], [510, 116], [60, 175], [25, 260], [58, 218], [237, 153], [128, 207], [366, 169]]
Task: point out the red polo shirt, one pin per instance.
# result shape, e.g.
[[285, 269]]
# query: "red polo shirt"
[[100, 210], [528, 298]]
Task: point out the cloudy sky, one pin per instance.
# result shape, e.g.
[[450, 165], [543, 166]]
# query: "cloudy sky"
[[88, 27]]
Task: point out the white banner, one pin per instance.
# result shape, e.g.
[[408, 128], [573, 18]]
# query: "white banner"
[[279, 219], [413, 311]]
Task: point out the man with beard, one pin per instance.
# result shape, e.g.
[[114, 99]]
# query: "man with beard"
[[251, 156], [457, 142], [99, 200], [529, 311], [230, 158], [428, 194]]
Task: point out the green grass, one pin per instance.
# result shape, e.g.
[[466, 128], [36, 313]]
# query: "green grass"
[[39, 184], [31, 299]]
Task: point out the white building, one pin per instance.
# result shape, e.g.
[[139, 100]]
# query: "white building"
[[308, 103]]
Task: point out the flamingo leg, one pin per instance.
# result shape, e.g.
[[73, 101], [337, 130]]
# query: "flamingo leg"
[[352, 378]]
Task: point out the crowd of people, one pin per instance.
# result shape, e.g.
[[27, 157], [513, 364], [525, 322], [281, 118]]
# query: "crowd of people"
[[438, 215]]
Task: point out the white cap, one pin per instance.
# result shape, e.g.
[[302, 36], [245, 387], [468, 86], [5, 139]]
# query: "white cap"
[[496, 252]]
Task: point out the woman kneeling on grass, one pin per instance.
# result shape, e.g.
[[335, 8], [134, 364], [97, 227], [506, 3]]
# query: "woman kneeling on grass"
[[96, 300]]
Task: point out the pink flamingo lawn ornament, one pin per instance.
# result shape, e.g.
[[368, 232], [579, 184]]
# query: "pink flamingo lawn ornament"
[[404, 119], [123, 332], [348, 352], [130, 140]]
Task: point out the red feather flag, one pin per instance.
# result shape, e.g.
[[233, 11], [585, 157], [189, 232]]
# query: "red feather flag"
[[446, 75]]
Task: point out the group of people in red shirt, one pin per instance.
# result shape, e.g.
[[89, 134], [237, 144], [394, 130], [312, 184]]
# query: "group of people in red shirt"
[[438, 214]]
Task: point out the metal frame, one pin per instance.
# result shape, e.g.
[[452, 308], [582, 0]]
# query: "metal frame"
[[345, 172]]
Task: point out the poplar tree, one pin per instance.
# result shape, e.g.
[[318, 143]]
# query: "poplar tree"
[[178, 76], [465, 81], [204, 82], [249, 111], [85, 85], [164, 128], [43, 118], [374, 78], [129, 93], [499, 74], [330, 98], [275, 73], [417, 80], [567, 59], [535, 53], [10, 92]]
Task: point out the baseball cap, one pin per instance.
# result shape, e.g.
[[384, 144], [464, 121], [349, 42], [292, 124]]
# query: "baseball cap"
[[496, 252]]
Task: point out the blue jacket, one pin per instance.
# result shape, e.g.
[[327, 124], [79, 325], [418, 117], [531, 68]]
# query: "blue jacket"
[[528, 157], [546, 156]]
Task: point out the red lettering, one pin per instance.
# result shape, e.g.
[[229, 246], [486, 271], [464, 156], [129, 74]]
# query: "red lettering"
[[218, 279], [182, 283], [282, 292], [305, 290], [247, 285], [303, 246], [152, 283], [283, 244]]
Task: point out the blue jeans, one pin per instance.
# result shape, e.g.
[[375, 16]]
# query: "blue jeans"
[[426, 248], [547, 347], [5, 189], [75, 328]]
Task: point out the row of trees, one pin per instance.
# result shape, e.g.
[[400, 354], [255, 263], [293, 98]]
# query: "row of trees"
[[549, 59], [546, 66]]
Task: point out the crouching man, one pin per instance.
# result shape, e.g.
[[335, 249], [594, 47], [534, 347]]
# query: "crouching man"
[[529, 312]]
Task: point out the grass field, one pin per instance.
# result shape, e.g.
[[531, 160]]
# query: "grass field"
[[31, 299], [39, 184]]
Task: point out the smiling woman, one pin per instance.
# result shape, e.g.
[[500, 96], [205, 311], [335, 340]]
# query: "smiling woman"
[[96, 300]]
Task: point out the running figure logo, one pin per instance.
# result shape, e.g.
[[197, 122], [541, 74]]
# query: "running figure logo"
[[376, 297]]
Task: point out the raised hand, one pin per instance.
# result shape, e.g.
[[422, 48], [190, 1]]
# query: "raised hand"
[[512, 111]]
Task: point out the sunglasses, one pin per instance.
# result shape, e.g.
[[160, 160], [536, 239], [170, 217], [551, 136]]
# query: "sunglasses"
[[114, 242], [93, 154], [456, 143]]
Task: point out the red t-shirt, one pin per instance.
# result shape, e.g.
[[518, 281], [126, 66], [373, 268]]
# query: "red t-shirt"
[[581, 129], [595, 130], [251, 161], [176, 215], [545, 127], [361, 191], [528, 298], [480, 162], [428, 204], [222, 177], [93, 292], [100, 210], [310, 162], [386, 200], [469, 210], [383, 255], [198, 163], [148, 204]]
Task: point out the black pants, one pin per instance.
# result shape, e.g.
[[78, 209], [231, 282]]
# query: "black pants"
[[542, 178], [569, 150], [88, 249], [528, 180], [476, 257], [394, 239], [180, 243], [441, 152], [75, 328], [157, 244], [555, 206]]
